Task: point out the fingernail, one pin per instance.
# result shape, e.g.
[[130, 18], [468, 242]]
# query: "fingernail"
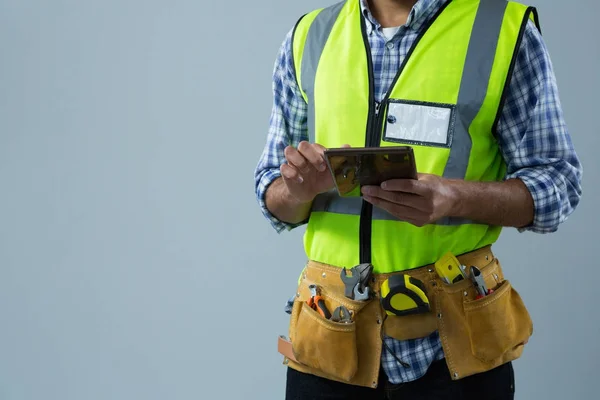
[[300, 180], [322, 167], [367, 190]]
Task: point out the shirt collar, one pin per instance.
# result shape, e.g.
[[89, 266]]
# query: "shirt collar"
[[416, 19]]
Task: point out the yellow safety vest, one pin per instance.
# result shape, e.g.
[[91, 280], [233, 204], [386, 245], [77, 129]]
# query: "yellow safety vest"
[[452, 85]]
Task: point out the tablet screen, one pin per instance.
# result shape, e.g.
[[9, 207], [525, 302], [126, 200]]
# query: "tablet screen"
[[353, 168]]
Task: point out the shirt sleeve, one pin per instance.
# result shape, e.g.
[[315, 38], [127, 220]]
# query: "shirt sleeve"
[[287, 126], [534, 138]]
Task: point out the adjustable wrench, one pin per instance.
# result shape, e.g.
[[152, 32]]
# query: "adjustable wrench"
[[357, 285]]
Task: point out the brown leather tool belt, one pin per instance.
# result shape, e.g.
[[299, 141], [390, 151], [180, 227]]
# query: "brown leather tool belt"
[[476, 334]]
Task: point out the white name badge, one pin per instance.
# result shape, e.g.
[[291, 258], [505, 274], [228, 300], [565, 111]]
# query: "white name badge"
[[428, 124]]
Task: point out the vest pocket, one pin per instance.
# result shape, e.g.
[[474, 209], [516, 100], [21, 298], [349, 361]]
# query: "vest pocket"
[[419, 122], [325, 345], [497, 323]]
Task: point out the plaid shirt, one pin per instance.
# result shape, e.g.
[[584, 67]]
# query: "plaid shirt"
[[532, 136]]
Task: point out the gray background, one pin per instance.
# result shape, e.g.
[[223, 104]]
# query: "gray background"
[[134, 261]]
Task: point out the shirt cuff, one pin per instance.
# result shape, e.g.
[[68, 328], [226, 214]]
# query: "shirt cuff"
[[546, 201], [263, 184]]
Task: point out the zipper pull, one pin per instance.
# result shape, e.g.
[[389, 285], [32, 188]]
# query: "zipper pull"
[[377, 105]]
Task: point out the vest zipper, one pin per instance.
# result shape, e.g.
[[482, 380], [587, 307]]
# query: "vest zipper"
[[375, 126], [366, 211]]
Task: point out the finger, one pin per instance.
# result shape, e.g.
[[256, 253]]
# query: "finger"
[[404, 214], [410, 200], [401, 212], [290, 173], [313, 154], [404, 185], [297, 160]]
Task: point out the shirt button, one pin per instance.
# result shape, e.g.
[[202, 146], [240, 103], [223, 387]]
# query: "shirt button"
[[390, 45]]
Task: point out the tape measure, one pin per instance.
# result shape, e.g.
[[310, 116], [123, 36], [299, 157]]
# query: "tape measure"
[[450, 269], [403, 295]]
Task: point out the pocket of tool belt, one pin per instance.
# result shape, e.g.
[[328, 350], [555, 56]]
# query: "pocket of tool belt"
[[409, 327], [322, 344], [498, 322], [325, 345]]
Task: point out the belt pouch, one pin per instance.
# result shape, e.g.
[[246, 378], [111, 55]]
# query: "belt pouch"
[[322, 344], [480, 334]]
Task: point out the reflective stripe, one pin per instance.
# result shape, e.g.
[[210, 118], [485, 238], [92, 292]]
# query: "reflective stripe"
[[317, 36], [473, 88], [333, 203]]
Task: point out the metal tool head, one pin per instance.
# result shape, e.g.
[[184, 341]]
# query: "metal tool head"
[[463, 270], [313, 290], [365, 270], [341, 314], [478, 281], [361, 295], [350, 281]]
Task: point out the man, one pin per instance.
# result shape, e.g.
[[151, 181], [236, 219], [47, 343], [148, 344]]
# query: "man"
[[506, 161]]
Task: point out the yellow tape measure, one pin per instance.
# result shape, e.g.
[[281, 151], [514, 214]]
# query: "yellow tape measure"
[[403, 295]]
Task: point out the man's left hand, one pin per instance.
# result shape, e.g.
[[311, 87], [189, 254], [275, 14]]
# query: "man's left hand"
[[418, 202]]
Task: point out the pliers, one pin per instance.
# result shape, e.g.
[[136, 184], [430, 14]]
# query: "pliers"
[[341, 314], [317, 303]]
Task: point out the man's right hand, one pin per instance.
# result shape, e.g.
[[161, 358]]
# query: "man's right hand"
[[305, 174], [303, 177]]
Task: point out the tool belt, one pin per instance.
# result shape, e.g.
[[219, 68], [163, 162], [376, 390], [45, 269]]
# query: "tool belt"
[[477, 334]]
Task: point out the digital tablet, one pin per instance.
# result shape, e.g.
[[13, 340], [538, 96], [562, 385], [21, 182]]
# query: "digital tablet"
[[355, 167]]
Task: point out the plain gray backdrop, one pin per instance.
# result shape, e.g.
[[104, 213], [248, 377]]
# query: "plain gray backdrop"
[[134, 260]]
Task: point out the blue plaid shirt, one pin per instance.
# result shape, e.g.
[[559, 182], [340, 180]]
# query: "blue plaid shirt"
[[532, 136]]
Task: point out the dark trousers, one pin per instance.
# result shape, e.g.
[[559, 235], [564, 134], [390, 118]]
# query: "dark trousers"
[[496, 384]]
